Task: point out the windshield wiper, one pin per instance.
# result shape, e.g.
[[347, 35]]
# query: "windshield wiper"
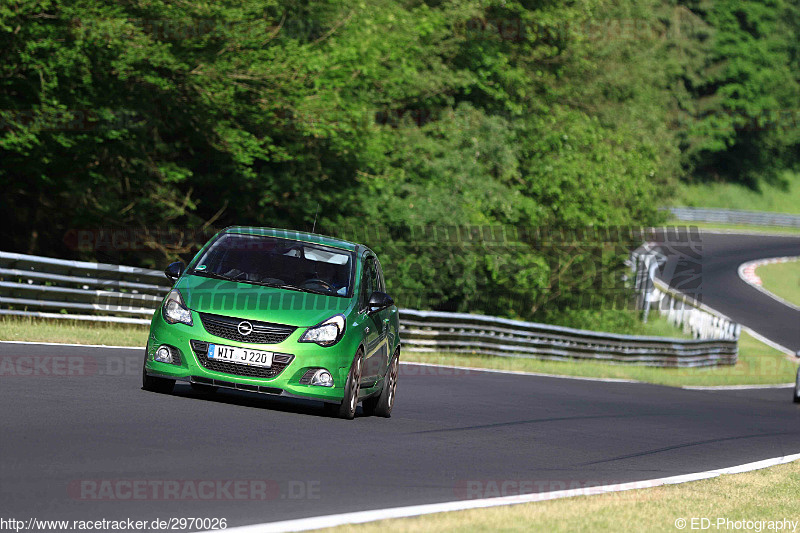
[[214, 275], [306, 289], [290, 287]]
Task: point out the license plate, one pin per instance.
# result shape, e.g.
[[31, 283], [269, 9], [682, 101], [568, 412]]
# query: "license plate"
[[240, 356]]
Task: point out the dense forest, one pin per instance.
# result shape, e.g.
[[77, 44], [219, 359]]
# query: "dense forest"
[[456, 137]]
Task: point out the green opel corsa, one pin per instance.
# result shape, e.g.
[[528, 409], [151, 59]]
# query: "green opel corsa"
[[280, 313]]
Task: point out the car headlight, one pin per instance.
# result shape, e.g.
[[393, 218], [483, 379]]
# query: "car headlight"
[[175, 310], [325, 333]]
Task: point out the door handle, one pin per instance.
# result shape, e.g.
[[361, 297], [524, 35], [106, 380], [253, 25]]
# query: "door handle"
[[366, 329]]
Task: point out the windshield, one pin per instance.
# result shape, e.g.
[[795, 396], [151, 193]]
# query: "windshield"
[[276, 262]]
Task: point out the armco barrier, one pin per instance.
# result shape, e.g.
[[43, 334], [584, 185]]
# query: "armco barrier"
[[732, 216], [432, 331], [43, 283], [43, 287], [695, 318]]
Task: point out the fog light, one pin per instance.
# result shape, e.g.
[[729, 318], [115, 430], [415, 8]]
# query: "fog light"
[[163, 354], [322, 378]]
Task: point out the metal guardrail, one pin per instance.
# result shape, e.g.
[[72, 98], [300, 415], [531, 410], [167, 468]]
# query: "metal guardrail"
[[42, 283], [36, 286], [732, 216], [682, 311], [432, 331]]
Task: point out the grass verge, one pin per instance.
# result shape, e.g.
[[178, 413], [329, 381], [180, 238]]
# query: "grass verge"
[[758, 363], [772, 198], [782, 279], [762, 495], [658, 326], [72, 331]]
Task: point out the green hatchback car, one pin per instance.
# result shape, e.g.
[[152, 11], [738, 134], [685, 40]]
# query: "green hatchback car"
[[281, 313]]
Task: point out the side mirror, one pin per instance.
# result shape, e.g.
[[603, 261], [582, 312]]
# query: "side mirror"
[[378, 301], [174, 270]]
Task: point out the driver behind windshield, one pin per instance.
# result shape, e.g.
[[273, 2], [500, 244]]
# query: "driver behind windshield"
[[277, 262]]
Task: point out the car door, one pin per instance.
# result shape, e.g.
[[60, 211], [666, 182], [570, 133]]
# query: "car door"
[[372, 324], [385, 318]]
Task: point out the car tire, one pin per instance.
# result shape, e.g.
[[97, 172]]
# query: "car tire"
[[154, 384], [204, 389], [797, 387], [382, 404], [347, 409]]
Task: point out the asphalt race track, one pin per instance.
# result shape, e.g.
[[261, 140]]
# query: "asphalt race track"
[[78, 433], [720, 287]]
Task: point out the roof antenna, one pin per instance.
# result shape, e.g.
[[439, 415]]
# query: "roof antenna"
[[315, 219]]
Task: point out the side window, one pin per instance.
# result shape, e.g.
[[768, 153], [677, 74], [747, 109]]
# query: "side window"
[[367, 281], [375, 280], [381, 281]]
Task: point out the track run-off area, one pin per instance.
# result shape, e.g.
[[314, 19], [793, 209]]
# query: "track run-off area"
[[82, 441]]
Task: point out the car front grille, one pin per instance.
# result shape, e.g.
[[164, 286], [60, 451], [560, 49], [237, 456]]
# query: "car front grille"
[[227, 327], [279, 362]]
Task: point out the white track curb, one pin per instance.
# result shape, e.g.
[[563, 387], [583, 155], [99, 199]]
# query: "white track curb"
[[747, 272]]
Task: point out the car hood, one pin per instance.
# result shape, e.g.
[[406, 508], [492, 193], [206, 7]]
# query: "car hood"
[[256, 302]]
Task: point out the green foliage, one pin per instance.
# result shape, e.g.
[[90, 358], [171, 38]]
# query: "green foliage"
[[778, 197], [513, 115], [745, 95]]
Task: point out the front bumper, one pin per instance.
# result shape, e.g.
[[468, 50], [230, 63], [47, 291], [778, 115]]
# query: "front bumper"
[[191, 341]]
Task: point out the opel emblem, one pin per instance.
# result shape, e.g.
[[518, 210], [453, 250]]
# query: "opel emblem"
[[245, 328]]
